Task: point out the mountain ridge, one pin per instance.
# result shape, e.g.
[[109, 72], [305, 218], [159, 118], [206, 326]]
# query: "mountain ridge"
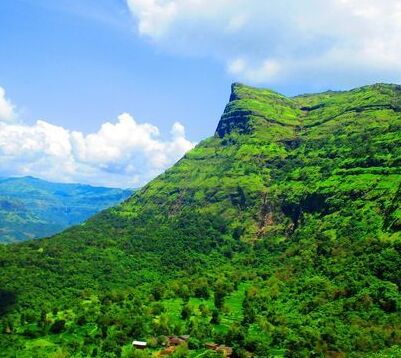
[[288, 220], [241, 92]]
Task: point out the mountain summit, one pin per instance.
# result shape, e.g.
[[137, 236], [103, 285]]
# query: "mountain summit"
[[277, 236], [250, 107]]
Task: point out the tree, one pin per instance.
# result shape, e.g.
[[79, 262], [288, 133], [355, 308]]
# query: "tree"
[[215, 317], [219, 295], [158, 292], [186, 312], [200, 288], [57, 326]]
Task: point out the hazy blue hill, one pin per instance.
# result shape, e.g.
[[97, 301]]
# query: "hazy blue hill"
[[32, 208]]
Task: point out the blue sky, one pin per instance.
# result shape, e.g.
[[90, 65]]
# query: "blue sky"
[[112, 92], [80, 65]]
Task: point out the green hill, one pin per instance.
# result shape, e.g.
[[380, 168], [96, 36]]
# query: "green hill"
[[278, 236], [32, 208]]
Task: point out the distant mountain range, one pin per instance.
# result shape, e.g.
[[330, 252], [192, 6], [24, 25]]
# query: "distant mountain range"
[[32, 208]]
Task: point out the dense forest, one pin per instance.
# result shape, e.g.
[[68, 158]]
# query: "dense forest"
[[278, 237], [31, 208]]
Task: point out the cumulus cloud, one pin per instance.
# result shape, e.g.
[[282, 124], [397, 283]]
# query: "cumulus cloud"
[[335, 42], [124, 153], [7, 111]]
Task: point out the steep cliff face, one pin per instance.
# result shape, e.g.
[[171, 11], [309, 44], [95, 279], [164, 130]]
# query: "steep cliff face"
[[295, 198], [250, 108]]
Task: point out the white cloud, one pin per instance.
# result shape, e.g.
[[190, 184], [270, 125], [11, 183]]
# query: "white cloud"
[[7, 112], [125, 153], [267, 71], [333, 42]]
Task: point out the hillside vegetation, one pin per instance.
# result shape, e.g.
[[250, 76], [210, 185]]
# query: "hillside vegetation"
[[278, 236], [32, 208]]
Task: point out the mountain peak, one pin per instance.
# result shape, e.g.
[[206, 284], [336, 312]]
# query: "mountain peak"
[[250, 107], [242, 91]]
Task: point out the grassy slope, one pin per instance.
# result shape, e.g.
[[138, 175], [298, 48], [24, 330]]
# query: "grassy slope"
[[299, 197], [31, 208]]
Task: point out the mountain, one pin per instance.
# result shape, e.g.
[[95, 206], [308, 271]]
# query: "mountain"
[[32, 208], [278, 236]]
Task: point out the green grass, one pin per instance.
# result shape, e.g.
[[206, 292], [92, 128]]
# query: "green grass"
[[234, 305]]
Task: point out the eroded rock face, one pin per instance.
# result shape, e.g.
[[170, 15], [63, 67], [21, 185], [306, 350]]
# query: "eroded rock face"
[[234, 120], [250, 107]]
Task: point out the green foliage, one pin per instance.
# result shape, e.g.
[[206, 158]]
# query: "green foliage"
[[279, 236]]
